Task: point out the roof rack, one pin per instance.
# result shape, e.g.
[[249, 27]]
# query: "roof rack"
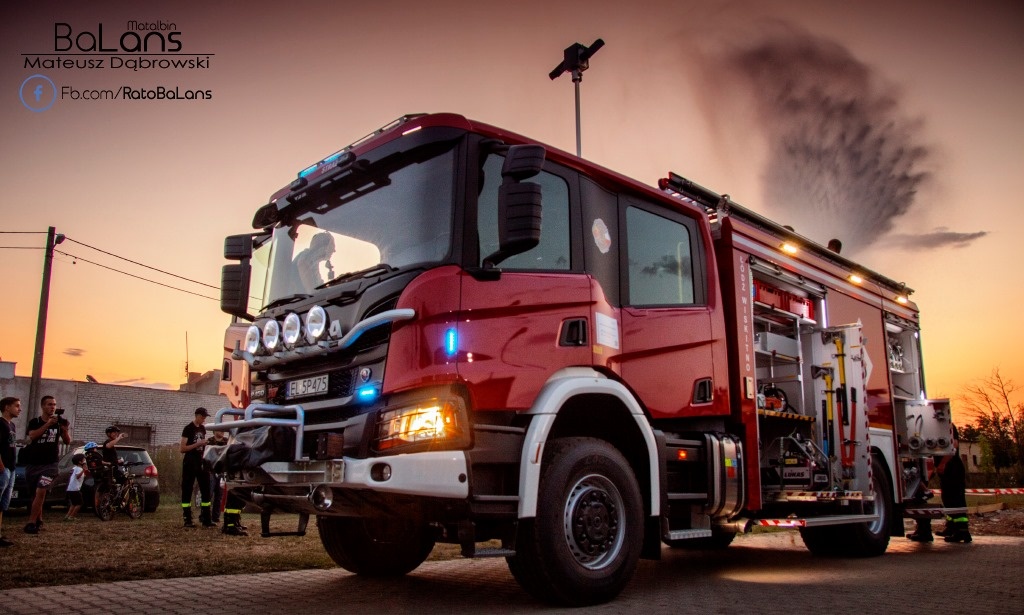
[[718, 206]]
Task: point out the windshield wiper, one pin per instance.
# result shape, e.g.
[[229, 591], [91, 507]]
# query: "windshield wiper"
[[363, 273], [286, 300]]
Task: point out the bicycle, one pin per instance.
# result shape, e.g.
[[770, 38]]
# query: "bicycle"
[[126, 496]]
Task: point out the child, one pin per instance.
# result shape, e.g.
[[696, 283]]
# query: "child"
[[75, 486]]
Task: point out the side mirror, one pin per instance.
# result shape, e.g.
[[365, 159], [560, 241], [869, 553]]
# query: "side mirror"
[[238, 247], [523, 162], [519, 203], [234, 289]]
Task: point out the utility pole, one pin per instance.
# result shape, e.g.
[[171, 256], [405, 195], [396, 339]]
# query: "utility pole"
[[576, 59], [52, 239]]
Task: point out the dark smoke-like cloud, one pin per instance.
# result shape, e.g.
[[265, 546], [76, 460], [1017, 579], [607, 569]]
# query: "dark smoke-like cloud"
[[74, 352], [940, 238], [843, 161]]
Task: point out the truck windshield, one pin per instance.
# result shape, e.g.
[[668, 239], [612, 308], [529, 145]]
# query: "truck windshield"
[[390, 223]]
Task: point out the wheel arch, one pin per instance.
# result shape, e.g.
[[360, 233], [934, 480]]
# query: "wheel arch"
[[582, 402], [896, 518]]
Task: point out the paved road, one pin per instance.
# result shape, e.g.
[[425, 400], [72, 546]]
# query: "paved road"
[[758, 574]]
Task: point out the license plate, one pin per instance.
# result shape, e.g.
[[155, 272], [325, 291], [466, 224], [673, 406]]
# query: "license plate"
[[317, 385]]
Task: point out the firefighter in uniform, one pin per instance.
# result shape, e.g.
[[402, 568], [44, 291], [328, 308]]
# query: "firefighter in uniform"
[[233, 516], [953, 482], [193, 439]]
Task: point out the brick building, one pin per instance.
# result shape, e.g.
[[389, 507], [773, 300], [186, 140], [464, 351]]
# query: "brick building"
[[150, 417]]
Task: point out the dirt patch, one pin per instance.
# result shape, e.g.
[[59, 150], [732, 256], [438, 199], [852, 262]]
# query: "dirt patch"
[[1009, 522]]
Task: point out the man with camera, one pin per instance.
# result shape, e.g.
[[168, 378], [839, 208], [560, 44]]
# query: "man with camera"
[[41, 455]]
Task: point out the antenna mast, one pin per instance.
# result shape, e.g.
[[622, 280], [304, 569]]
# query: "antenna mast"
[[576, 59]]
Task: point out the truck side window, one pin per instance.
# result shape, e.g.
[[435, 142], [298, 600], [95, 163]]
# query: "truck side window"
[[660, 261], [553, 251]]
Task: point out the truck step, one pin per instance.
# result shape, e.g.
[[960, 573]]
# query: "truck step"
[[686, 534], [494, 552]]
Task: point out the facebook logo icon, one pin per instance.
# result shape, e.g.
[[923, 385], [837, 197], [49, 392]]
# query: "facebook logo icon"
[[38, 93]]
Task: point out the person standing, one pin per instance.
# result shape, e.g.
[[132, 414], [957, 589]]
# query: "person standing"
[[953, 482], [45, 432], [109, 450], [10, 409], [75, 486], [219, 438], [193, 439]]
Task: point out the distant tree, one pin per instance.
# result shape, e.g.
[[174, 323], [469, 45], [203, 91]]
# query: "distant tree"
[[999, 422]]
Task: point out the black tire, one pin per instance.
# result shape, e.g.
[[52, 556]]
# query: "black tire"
[[858, 539], [103, 503], [133, 503], [822, 541], [375, 547], [717, 541], [584, 544], [872, 539], [152, 501]]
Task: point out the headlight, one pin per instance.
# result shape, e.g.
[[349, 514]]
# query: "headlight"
[[436, 423], [252, 339], [271, 334], [316, 324], [292, 327]]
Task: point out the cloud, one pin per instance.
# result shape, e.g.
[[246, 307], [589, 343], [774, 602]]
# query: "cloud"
[[939, 238], [74, 352]]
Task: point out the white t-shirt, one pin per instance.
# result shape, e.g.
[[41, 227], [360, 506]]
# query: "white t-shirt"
[[77, 476]]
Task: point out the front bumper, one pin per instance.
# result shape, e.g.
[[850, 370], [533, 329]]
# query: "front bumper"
[[384, 485]]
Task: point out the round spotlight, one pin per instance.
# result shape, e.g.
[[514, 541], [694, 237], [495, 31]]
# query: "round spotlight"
[[322, 497], [252, 340], [316, 324], [271, 335], [292, 328]]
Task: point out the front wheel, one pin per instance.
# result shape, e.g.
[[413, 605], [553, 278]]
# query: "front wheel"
[[583, 546], [377, 547], [133, 503]]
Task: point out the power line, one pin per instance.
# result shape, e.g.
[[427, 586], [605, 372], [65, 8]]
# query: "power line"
[[141, 265], [139, 277]]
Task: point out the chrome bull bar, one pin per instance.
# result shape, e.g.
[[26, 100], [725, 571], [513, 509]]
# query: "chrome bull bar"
[[260, 415]]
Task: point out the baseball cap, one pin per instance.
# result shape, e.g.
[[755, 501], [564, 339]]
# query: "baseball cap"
[[202, 411], [113, 429]]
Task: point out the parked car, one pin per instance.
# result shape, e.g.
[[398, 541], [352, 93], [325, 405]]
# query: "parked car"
[[20, 497], [136, 459]]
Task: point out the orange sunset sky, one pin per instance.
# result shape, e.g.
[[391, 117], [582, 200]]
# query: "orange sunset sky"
[[705, 89]]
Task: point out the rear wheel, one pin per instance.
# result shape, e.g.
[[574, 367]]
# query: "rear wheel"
[[375, 548], [585, 541], [103, 503], [859, 539], [872, 539]]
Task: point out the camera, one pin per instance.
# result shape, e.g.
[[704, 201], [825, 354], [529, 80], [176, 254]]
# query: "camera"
[[59, 411]]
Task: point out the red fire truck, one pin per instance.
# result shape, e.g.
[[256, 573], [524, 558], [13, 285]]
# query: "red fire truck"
[[455, 334]]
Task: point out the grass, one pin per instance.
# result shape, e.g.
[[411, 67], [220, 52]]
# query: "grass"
[[154, 546]]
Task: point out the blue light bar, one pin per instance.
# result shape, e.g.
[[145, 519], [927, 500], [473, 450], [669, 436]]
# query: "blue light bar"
[[451, 342], [308, 170]]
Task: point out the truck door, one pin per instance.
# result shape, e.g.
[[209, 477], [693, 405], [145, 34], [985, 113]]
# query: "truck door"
[[525, 325], [666, 352]]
